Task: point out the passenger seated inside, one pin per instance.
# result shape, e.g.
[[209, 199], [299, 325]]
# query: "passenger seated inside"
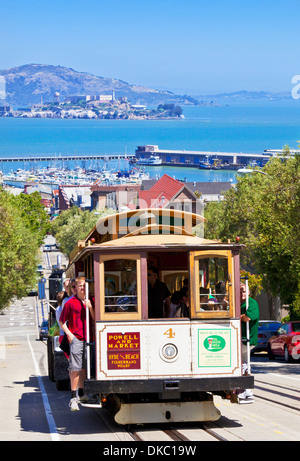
[[159, 296], [222, 303], [212, 303], [175, 301], [120, 286], [204, 293], [183, 308]]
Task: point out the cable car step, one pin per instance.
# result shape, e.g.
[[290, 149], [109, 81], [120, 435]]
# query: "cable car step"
[[166, 412], [91, 405]]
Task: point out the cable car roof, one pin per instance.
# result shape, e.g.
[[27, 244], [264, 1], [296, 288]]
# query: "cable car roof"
[[137, 223]]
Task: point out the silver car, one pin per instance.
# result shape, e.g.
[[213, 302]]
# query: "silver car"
[[266, 329]]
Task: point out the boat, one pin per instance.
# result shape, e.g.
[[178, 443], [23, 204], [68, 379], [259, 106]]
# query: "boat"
[[152, 160], [215, 164], [204, 166]]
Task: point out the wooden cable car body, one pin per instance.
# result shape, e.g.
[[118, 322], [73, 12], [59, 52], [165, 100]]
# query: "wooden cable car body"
[[162, 369]]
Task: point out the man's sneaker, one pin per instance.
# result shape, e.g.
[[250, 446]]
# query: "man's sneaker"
[[84, 398], [74, 404], [246, 396]]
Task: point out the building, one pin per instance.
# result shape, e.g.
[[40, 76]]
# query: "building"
[[167, 192], [77, 98], [210, 191], [5, 109], [87, 97], [226, 160], [44, 191], [70, 195], [118, 197]]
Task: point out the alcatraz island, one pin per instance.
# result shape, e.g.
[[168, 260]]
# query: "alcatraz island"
[[94, 107]]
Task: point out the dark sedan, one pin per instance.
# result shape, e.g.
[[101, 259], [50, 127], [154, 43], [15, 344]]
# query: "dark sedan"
[[266, 329]]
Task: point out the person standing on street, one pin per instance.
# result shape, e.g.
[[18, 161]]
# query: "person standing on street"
[[251, 315], [73, 322]]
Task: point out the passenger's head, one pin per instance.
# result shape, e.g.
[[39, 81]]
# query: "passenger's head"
[[80, 287], [184, 295], [60, 297], [204, 293], [243, 292], [73, 287], [175, 298], [67, 283], [152, 275]]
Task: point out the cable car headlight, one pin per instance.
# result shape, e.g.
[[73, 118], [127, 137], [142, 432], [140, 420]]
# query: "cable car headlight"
[[169, 351]]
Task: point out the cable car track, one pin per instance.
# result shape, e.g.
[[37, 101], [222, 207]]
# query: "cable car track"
[[291, 407], [278, 393], [176, 436]]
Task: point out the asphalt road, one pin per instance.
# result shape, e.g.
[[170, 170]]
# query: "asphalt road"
[[33, 410]]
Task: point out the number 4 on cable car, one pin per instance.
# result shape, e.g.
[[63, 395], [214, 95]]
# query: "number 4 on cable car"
[[170, 333]]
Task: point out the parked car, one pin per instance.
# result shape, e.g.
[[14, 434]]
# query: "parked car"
[[33, 291], [266, 329], [44, 330], [285, 342], [47, 248]]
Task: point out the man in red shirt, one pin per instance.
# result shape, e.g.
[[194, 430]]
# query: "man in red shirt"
[[73, 322]]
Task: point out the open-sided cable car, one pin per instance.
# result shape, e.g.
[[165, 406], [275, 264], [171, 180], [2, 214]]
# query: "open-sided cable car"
[[161, 369]]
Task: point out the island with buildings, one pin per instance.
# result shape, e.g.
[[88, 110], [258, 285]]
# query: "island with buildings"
[[103, 106]]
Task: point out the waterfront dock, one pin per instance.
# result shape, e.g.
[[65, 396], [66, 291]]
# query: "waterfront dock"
[[62, 158], [203, 159]]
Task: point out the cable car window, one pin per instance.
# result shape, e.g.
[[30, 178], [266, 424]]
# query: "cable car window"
[[120, 279], [213, 289]]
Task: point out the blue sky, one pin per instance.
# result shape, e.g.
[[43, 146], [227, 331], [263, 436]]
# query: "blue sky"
[[196, 46]]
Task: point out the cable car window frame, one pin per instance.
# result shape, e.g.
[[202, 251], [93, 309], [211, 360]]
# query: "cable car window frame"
[[120, 316], [195, 257]]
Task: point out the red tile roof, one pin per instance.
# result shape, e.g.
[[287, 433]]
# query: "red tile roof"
[[161, 193]]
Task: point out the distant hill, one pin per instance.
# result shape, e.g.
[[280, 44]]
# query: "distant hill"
[[245, 95], [31, 83]]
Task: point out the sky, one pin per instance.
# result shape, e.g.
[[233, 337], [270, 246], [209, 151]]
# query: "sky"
[[194, 47]]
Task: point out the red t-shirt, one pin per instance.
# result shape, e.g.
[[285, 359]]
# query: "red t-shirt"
[[74, 312]]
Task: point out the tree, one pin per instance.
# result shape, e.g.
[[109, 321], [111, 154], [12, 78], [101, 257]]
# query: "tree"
[[73, 225], [34, 214], [20, 236], [263, 210]]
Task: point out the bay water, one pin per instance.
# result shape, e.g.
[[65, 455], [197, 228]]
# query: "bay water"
[[237, 127]]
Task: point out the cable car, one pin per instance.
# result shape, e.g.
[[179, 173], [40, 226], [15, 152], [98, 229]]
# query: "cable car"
[[154, 369]]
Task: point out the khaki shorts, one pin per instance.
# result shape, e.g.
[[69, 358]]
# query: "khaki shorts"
[[77, 359]]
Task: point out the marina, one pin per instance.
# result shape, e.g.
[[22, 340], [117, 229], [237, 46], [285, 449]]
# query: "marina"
[[79, 176]]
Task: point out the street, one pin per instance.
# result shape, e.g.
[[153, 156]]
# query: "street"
[[32, 408]]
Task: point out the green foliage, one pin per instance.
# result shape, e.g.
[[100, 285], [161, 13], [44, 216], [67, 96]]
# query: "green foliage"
[[254, 283], [263, 210], [73, 225], [34, 214], [23, 226], [173, 111]]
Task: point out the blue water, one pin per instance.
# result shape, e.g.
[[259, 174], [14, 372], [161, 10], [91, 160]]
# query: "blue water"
[[248, 128]]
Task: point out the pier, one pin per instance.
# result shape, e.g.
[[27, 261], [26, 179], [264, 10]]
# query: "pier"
[[62, 158], [198, 159]]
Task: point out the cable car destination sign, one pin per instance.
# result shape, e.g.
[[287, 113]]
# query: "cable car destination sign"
[[123, 351]]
